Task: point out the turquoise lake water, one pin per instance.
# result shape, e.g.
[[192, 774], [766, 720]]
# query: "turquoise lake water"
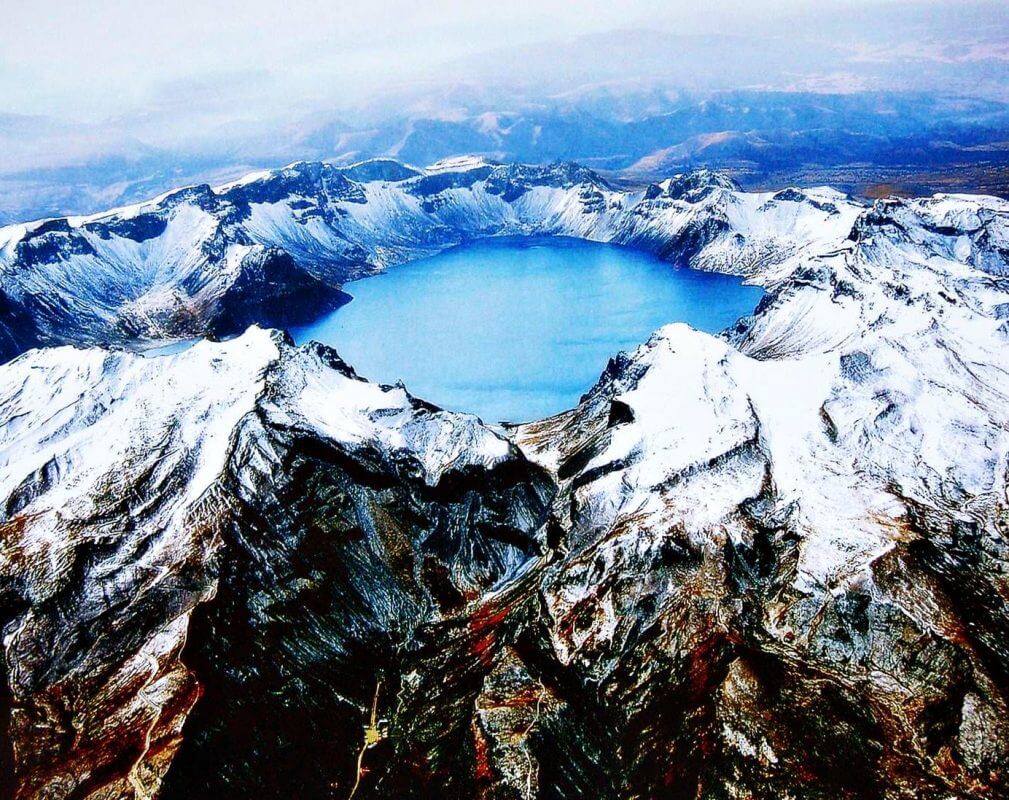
[[518, 329]]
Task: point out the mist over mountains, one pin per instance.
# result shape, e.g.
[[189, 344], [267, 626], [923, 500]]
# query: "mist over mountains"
[[901, 97]]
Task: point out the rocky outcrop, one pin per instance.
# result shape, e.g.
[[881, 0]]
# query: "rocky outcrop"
[[197, 546]]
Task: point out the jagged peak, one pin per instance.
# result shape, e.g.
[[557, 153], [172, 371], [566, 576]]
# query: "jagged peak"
[[697, 184]]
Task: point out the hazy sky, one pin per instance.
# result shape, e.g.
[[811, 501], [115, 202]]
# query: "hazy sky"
[[98, 58]]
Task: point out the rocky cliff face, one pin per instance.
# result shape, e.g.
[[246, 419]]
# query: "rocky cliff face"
[[769, 564], [239, 527]]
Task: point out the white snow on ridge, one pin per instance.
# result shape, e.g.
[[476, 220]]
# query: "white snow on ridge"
[[875, 375], [358, 413], [457, 164], [73, 417]]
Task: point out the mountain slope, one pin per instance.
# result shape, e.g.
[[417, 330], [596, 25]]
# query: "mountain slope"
[[250, 512], [777, 570]]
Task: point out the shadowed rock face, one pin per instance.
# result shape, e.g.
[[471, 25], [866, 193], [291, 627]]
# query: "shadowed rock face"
[[329, 576], [770, 564]]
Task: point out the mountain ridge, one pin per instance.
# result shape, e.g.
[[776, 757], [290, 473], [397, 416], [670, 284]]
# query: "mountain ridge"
[[192, 261]]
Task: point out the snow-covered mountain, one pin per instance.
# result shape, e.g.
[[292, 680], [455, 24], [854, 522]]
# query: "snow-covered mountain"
[[275, 247], [767, 564]]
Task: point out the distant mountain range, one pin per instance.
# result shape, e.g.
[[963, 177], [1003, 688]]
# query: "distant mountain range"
[[902, 96], [858, 142]]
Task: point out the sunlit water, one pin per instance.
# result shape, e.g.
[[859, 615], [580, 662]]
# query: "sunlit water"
[[518, 329]]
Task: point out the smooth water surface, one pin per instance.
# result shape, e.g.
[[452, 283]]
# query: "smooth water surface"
[[518, 329]]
